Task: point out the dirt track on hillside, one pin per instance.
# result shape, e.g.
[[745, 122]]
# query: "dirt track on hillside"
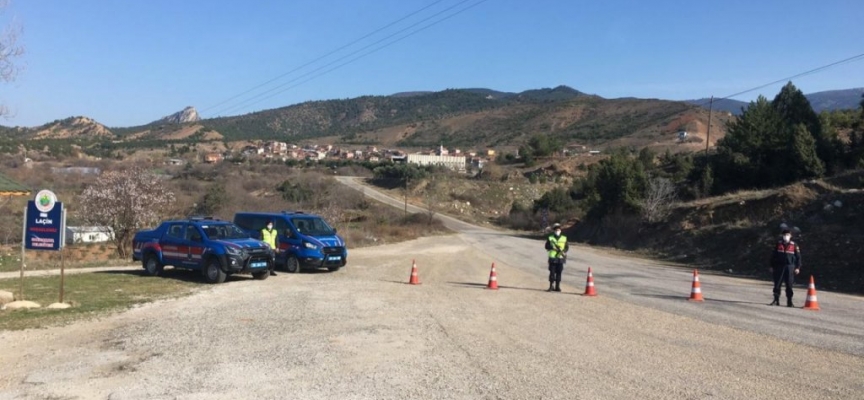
[[363, 333]]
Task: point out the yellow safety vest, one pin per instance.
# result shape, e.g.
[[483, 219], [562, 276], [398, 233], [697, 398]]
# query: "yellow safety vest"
[[269, 236], [562, 244]]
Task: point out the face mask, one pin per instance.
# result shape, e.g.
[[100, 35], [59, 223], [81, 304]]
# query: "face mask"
[[787, 238], [269, 226], [557, 232]]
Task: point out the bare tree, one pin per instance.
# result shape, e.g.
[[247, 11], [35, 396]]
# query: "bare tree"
[[9, 51], [125, 201], [658, 200]]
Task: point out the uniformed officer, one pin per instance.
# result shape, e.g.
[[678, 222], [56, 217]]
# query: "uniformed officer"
[[557, 247], [785, 264], [271, 237]]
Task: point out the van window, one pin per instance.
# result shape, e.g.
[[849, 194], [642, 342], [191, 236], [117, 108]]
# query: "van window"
[[312, 226]]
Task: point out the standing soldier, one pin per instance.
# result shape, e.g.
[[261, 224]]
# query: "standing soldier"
[[271, 237], [785, 264], [557, 246]]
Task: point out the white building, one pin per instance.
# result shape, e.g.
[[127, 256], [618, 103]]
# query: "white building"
[[88, 234], [452, 162]]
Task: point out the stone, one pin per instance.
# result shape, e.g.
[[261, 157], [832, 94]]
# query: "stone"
[[6, 297], [22, 304], [59, 306]]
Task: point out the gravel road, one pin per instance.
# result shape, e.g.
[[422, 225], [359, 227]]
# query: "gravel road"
[[362, 333]]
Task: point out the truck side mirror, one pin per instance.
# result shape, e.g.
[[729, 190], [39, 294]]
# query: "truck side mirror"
[[335, 230]]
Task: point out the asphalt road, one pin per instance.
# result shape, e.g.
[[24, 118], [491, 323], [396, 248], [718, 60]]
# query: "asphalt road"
[[729, 301]]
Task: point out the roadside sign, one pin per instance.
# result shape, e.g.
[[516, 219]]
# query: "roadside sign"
[[44, 222]]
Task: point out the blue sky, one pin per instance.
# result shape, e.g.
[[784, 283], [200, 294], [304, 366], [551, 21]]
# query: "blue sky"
[[130, 62]]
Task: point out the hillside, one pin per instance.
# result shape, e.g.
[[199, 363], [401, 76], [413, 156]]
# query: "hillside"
[[474, 117]]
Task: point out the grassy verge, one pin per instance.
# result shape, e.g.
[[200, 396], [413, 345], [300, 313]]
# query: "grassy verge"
[[90, 295], [13, 264]]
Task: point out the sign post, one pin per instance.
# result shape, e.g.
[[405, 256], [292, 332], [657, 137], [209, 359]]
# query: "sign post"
[[44, 229]]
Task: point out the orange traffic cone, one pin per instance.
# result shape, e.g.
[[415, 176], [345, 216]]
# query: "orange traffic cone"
[[589, 285], [696, 292], [812, 303], [493, 279], [415, 280]]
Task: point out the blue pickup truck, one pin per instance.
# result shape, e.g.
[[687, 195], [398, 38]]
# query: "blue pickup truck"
[[216, 248]]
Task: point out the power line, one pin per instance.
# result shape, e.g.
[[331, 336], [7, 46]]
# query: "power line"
[[787, 79], [264, 95], [409, 15]]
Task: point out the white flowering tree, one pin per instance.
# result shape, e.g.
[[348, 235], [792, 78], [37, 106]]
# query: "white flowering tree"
[[126, 201]]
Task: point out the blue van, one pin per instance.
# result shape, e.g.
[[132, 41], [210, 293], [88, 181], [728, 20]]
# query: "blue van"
[[306, 241]]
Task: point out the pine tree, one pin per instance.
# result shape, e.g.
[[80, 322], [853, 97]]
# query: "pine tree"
[[794, 109], [804, 163]]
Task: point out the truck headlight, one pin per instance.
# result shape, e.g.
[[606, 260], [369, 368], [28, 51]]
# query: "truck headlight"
[[309, 246], [235, 252]]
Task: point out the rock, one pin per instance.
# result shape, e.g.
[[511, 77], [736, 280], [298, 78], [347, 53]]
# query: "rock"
[[59, 306], [6, 297], [838, 204], [22, 304], [189, 114]]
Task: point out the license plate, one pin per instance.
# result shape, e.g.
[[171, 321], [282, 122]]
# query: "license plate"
[[259, 264], [334, 258]]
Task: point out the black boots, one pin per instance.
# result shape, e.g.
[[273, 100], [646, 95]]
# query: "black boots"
[[554, 287], [557, 286], [551, 287], [776, 301], [789, 302]]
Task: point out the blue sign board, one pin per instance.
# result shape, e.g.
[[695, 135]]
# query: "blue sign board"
[[44, 225]]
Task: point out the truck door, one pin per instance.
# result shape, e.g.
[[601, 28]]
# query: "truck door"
[[173, 249], [194, 247]]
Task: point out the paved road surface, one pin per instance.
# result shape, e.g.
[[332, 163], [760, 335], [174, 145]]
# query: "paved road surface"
[[733, 302]]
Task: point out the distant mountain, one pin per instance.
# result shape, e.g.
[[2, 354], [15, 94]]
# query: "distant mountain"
[[836, 99], [471, 118], [820, 101], [188, 114]]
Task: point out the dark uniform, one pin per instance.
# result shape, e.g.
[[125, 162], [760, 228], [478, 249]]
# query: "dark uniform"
[[785, 264], [557, 246]]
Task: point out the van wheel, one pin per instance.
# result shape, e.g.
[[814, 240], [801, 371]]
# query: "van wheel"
[[213, 272], [152, 266], [261, 275], [292, 265]]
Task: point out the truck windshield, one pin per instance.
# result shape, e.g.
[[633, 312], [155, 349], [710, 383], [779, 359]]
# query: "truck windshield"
[[224, 231], [312, 226]]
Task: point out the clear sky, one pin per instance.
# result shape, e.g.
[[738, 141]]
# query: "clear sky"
[[129, 62]]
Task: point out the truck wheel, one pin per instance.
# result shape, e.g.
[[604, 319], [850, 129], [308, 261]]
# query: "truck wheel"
[[213, 272], [292, 265], [261, 275], [152, 266]]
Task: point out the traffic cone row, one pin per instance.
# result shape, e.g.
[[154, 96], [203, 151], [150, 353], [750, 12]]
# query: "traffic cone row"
[[695, 291]]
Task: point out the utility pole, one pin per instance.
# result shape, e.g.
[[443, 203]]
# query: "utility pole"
[[406, 194], [708, 135]]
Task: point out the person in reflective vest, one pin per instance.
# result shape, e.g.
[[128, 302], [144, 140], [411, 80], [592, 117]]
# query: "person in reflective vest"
[[271, 237], [785, 264], [557, 247]]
